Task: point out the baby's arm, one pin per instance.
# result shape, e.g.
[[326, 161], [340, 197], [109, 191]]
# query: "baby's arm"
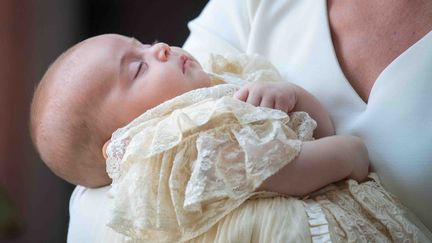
[[328, 159], [287, 97], [319, 163]]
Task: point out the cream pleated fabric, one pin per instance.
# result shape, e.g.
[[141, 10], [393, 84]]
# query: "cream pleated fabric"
[[353, 213]]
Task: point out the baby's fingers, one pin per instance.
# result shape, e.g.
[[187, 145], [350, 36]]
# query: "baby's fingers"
[[242, 94], [268, 101], [283, 105], [251, 97], [254, 99]]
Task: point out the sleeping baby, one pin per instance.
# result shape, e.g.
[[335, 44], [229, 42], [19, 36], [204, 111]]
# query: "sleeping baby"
[[184, 149]]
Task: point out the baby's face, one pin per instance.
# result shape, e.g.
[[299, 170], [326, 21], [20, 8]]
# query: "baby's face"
[[125, 78]]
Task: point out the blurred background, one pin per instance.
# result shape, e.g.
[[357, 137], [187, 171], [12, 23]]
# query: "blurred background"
[[33, 202]]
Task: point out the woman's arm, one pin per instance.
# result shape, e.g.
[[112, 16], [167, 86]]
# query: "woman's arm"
[[89, 212], [222, 27], [319, 163]]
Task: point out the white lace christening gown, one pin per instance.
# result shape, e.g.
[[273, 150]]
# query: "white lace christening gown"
[[187, 170]]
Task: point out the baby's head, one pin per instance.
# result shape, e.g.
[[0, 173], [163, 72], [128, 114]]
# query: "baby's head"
[[94, 88]]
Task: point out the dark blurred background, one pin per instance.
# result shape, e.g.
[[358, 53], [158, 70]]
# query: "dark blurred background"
[[33, 202]]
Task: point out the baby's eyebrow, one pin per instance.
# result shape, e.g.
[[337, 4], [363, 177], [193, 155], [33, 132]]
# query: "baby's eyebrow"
[[135, 41]]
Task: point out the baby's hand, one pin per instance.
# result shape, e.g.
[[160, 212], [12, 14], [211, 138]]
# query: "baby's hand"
[[276, 95]]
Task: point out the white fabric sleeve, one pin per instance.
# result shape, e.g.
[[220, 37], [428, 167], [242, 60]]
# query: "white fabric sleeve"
[[222, 27], [88, 210]]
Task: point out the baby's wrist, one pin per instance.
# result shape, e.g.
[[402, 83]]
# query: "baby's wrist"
[[359, 158]]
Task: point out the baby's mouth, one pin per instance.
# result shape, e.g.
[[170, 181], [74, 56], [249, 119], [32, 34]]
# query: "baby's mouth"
[[184, 59]]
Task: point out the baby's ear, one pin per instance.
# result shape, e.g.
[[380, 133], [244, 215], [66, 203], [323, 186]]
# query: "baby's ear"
[[104, 149]]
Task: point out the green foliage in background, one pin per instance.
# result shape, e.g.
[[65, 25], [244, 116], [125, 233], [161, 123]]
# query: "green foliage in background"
[[10, 225]]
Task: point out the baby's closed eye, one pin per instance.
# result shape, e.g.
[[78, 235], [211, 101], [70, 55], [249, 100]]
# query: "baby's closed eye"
[[136, 68]]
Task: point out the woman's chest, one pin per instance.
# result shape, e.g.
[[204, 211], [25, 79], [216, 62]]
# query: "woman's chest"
[[368, 37], [302, 48]]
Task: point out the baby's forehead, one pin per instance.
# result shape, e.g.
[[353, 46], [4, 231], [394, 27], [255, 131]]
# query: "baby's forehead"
[[92, 57], [89, 69], [72, 82], [112, 42]]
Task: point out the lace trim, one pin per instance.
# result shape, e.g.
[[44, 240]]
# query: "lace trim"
[[365, 213]]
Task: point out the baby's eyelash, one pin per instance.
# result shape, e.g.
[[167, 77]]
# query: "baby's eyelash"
[[139, 69]]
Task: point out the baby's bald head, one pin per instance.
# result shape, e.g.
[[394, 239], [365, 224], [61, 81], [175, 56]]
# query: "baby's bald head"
[[64, 125]]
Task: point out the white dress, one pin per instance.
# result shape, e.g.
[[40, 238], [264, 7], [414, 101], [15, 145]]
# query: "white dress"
[[294, 35]]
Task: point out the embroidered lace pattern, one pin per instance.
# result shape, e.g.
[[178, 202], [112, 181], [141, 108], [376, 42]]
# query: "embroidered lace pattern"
[[365, 213]]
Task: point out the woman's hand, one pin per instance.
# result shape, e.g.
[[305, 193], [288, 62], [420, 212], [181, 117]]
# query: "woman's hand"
[[276, 95]]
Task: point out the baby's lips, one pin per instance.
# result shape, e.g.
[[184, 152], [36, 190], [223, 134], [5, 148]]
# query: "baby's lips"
[[183, 60]]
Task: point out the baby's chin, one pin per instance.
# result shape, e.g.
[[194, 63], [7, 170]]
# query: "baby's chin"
[[202, 80]]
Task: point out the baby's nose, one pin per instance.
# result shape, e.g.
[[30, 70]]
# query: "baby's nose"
[[162, 51]]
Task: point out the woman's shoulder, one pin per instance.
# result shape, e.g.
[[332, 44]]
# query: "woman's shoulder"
[[237, 26]]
